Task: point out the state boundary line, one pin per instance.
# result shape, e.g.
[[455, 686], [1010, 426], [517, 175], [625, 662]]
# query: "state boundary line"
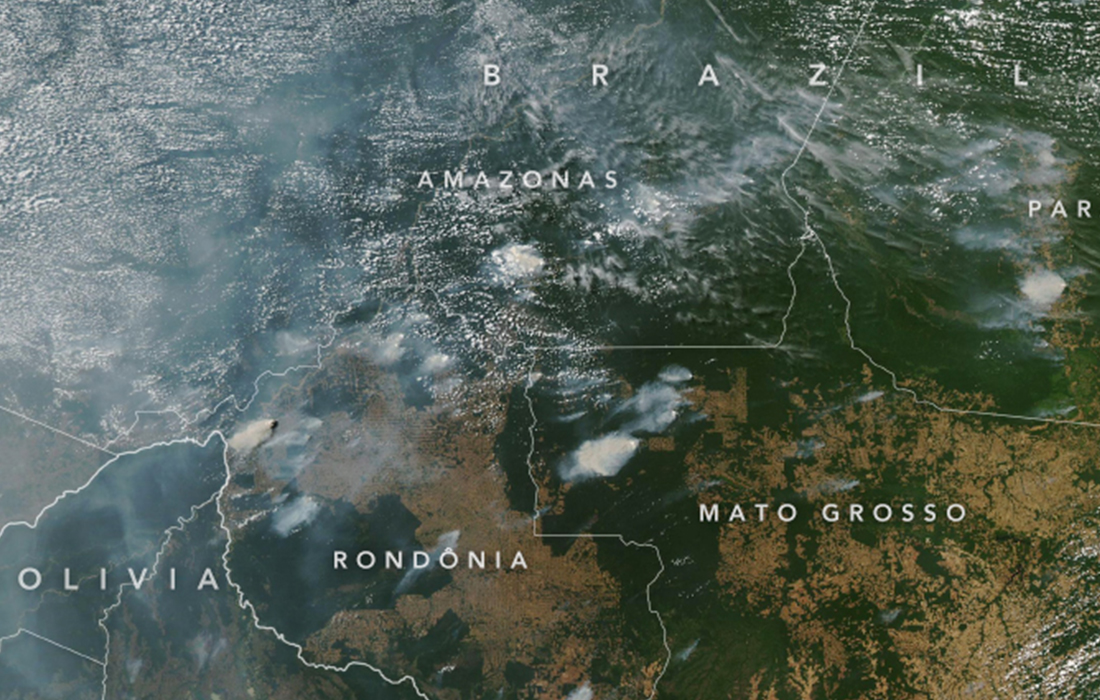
[[808, 236], [803, 241]]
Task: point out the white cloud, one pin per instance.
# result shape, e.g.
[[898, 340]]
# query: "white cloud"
[[297, 432], [435, 363], [838, 485], [584, 692], [515, 262], [686, 653], [602, 457], [654, 408], [1042, 288], [656, 405], [674, 374]]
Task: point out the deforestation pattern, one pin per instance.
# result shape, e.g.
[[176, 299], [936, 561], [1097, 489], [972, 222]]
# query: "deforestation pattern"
[[549, 350]]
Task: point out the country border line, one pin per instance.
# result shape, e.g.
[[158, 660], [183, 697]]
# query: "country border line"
[[203, 413], [40, 424], [810, 235], [242, 600], [912, 394], [766, 346], [246, 605], [33, 524], [24, 630], [168, 534]]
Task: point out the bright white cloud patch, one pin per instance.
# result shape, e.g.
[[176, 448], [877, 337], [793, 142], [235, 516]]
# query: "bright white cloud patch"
[[655, 406], [675, 374], [435, 363], [652, 410], [1042, 288], [838, 485], [515, 262], [584, 692], [602, 457]]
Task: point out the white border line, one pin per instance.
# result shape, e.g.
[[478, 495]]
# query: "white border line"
[[40, 424], [808, 236], [23, 630], [803, 241]]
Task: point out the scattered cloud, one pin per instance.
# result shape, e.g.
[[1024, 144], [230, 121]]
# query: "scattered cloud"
[[652, 410], [515, 262], [389, 350], [655, 407]]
